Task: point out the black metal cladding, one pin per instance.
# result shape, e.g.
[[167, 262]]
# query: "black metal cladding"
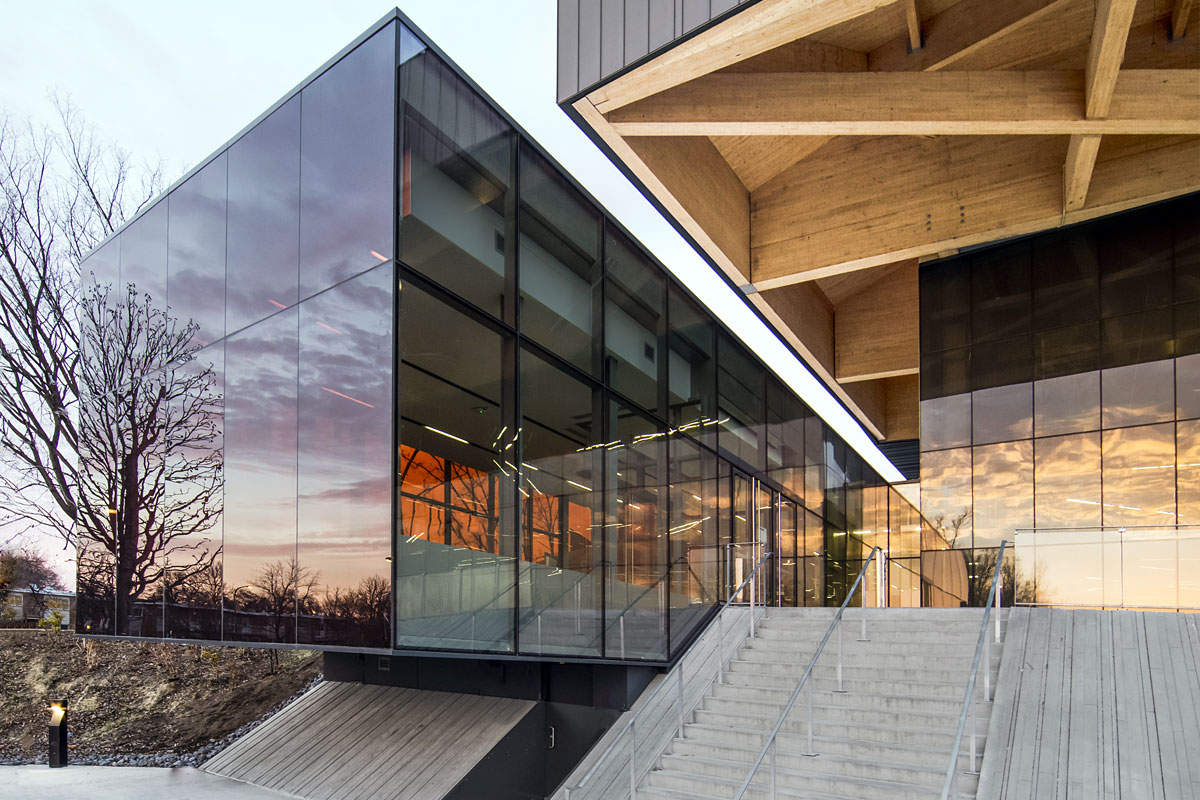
[[519, 437]]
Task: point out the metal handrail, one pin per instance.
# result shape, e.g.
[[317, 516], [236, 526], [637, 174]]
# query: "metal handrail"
[[628, 726], [837, 618], [994, 596]]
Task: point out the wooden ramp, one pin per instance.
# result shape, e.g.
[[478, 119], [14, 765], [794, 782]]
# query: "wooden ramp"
[[347, 741], [1096, 704]]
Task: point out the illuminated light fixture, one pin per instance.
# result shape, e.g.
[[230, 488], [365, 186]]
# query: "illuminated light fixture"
[[739, 516], [1130, 508], [416, 536], [112, 512], [347, 397], [698, 498], [387, 559], [276, 303], [330, 328], [1077, 500], [580, 485], [380, 256], [530, 466], [524, 493], [447, 435]]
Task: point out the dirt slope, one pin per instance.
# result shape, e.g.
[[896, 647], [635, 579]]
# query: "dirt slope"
[[135, 698]]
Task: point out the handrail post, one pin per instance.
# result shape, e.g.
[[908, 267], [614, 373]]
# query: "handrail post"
[[839, 689], [810, 752], [987, 669], [999, 592], [773, 749], [632, 767], [753, 578], [973, 735], [680, 699], [721, 646]]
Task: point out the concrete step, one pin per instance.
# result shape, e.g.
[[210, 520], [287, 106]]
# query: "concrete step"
[[764, 674], [735, 764], [939, 737], [798, 785], [851, 645], [740, 744], [754, 716], [949, 701], [894, 688], [929, 634], [877, 662]]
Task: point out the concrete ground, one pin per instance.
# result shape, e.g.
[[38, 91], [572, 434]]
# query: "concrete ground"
[[39, 782]]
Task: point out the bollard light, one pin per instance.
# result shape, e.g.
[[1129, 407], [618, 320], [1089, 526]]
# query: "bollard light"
[[58, 733]]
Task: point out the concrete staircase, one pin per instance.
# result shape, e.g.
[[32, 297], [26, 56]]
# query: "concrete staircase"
[[888, 736]]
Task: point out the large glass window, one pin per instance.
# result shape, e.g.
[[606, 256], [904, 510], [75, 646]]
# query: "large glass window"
[[344, 503], [347, 130], [1001, 414], [1138, 394], [1066, 478], [946, 499], [1139, 475], [264, 219], [559, 259], [562, 471], [692, 368], [196, 258], [456, 211], [144, 255], [635, 322], [455, 547], [1002, 480], [262, 575], [741, 395], [692, 536], [1066, 404]]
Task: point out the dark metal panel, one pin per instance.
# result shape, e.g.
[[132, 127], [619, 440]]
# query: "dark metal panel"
[[568, 48], [695, 12], [589, 42], [718, 7], [637, 29], [662, 22], [612, 36]]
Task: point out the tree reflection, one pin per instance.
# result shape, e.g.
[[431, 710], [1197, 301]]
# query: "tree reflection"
[[151, 471], [1018, 586]]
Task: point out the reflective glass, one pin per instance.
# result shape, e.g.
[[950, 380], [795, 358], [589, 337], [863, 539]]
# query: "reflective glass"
[[1066, 476], [563, 469], [1135, 263], [1001, 362], [692, 536], [1067, 350], [1187, 329], [786, 416], [945, 306], [788, 578], [1002, 413], [347, 130], [1187, 471], [456, 213], [1001, 292], [692, 368], [1139, 475], [637, 577], [1002, 483], [945, 373], [262, 576], [192, 509], [1137, 338], [1066, 278], [1138, 393], [196, 258], [741, 391], [559, 258], [1187, 251], [1066, 404], [814, 560], [455, 547], [946, 493], [814, 463], [264, 219], [344, 462], [144, 255], [946, 422], [635, 321]]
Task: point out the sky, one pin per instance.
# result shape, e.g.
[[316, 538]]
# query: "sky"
[[176, 80]]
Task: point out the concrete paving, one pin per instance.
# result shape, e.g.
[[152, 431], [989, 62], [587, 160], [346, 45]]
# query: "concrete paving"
[[39, 782]]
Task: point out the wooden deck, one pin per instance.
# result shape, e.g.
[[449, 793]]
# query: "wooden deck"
[[1096, 704], [348, 741]]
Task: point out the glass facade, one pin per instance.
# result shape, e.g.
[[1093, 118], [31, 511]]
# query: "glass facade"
[[517, 436], [1057, 392]]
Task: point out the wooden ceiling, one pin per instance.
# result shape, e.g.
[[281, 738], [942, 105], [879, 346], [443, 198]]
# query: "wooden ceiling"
[[818, 150]]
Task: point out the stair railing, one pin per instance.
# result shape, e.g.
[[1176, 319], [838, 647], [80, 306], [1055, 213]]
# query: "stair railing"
[[630, 730], [982, 653], [769, 745]]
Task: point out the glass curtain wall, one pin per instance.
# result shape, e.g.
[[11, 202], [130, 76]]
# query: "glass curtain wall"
[[1059, 381]]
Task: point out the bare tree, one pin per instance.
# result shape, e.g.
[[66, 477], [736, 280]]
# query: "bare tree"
[[150, 477], [61, 192]]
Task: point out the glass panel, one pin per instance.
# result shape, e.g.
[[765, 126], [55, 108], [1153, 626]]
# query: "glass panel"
[[945, 373], [788, 579], [946, 494], [264, 219], [347, 131], [1001, 292], [945, 305], [1139, 475], [1135, 263], [144, 255], [693, 554], [1002, 413], [1001, 363], [1066, 351], [692, 368], [1003, 491], [1187, 466], [1066, 278], [455, 547], [559, 263], [1138, 393], [946, 422], [741, 409], [814, 464], [1067, 404], [637, 577], [814, 560], [345, 434], [635, 321], [1137, 338], [562, 462], [262, 576], [786, 417], [1066, 477], [1187, 329], [456, 170], [191, 508], [196, 260]]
